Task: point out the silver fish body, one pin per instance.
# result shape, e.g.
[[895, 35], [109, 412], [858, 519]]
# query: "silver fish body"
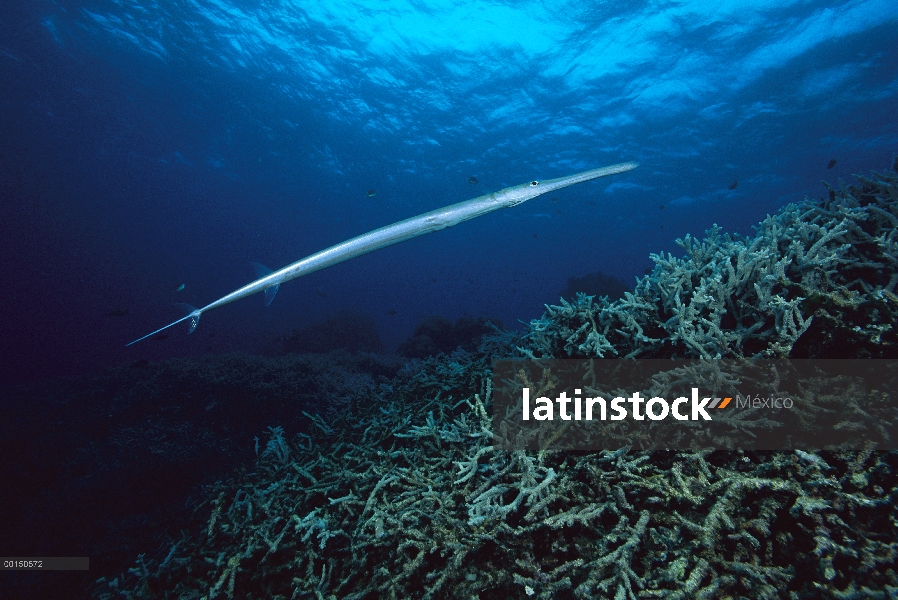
[[407, 229]]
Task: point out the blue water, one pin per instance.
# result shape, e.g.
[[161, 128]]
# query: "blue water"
[[145, 145]]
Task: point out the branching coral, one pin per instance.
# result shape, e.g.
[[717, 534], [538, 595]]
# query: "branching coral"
[[409, 498], [817, 280]]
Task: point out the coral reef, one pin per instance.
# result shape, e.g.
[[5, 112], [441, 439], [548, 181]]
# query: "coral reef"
[[408, 498], [816, 281], [406, 495]]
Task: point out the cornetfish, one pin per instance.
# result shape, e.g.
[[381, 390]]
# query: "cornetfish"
[[429, 222]]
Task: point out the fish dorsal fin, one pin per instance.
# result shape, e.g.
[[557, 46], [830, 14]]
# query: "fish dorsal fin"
[[263, 271]]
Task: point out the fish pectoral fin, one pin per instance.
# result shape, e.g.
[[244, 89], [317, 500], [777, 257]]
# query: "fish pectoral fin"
[[263, 271], [270, 292]]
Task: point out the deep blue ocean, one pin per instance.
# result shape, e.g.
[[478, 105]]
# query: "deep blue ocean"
[[146, 145]]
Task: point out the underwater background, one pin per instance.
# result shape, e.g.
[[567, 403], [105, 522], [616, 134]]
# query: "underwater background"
[[147, 145], [150, 151]]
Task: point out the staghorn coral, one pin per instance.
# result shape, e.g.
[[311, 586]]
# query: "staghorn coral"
[[408, 498], [816, 281]]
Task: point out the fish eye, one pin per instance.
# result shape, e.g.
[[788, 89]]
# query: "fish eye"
[[534, 183]]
